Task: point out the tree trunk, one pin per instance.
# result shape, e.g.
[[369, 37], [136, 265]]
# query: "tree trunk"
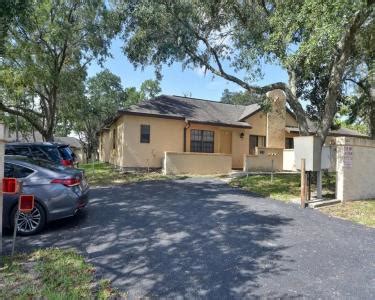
[[371, 94]]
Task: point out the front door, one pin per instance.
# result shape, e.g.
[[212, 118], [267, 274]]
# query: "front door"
[[226, 142]]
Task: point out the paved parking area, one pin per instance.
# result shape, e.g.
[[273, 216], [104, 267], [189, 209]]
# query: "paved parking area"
[[201, 238]]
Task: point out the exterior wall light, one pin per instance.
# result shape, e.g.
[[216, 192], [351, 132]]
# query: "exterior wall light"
[[242, 135]]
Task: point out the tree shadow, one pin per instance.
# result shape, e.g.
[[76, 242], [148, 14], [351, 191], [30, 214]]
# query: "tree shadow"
[[180, 238]]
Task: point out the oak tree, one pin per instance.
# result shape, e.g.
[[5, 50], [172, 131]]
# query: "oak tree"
[[45, 57]]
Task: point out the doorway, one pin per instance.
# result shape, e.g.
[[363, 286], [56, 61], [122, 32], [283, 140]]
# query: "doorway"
[[226, 142]]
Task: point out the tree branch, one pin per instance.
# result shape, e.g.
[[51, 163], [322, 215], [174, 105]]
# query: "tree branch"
[[31, 119], [344, 47]]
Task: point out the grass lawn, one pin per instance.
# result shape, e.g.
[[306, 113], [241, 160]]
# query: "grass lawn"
[[104, 174], [362, 212], [51, 274], [285, 187]]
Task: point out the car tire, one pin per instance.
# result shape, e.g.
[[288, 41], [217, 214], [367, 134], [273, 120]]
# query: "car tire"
[[31, 223]]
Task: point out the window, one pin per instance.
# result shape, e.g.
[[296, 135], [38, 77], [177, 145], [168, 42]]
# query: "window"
[[46, 153], [65, 153], [114, 138], [16, 171], [8, 170], [201, 141], [256, 141], [145, 133], [38, 153], [289, 143], [17, 150], [21, 172]]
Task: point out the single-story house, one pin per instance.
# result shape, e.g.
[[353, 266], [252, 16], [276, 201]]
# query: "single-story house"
[[142, 135]]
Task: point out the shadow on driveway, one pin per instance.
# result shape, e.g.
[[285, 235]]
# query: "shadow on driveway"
[[189, 238]]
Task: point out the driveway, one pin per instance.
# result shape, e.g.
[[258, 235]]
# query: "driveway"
[[202, 238]]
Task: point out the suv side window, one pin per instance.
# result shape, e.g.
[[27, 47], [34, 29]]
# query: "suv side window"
[[38, 153], [53, 153], [17, 150]]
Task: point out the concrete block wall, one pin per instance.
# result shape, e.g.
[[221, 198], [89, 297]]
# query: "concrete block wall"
[[355, 168]]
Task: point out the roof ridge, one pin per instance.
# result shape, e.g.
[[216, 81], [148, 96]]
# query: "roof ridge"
[[207, 100]]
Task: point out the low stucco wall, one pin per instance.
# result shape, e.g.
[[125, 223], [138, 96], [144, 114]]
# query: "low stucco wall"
[[196, 163], [262, 160], [355, 168]]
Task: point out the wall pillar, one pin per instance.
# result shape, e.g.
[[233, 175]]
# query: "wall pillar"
[[355, 168]]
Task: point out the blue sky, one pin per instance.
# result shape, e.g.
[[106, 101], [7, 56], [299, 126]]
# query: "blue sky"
[[177, 81]]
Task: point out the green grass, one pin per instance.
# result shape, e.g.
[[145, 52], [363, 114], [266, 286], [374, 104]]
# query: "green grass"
[[105, 174], [51, 274], [362, 212], [285, 187]]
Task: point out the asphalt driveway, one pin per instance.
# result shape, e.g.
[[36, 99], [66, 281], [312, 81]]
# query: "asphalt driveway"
[[200, 238]]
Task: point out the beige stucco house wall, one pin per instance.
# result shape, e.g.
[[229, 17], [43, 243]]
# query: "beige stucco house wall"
[[104, 146], [170, 131], [165, 135], [128, 151], [173, 135]]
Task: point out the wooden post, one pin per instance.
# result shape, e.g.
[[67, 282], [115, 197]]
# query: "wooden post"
[[303, 183], [319, 185]]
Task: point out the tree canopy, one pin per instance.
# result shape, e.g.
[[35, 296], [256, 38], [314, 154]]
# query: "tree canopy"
[[45, 58], [102, 96], [232, 39]]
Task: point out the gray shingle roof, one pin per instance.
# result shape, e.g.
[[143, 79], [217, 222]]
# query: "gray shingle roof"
[[194, 110], [71, 141], [338, 132], [210, 112]]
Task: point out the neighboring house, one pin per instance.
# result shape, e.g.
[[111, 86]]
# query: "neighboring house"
[[30, 137], [75, 144], [138, 137]]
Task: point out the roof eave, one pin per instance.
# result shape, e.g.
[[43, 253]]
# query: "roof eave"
[[220, 124]]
